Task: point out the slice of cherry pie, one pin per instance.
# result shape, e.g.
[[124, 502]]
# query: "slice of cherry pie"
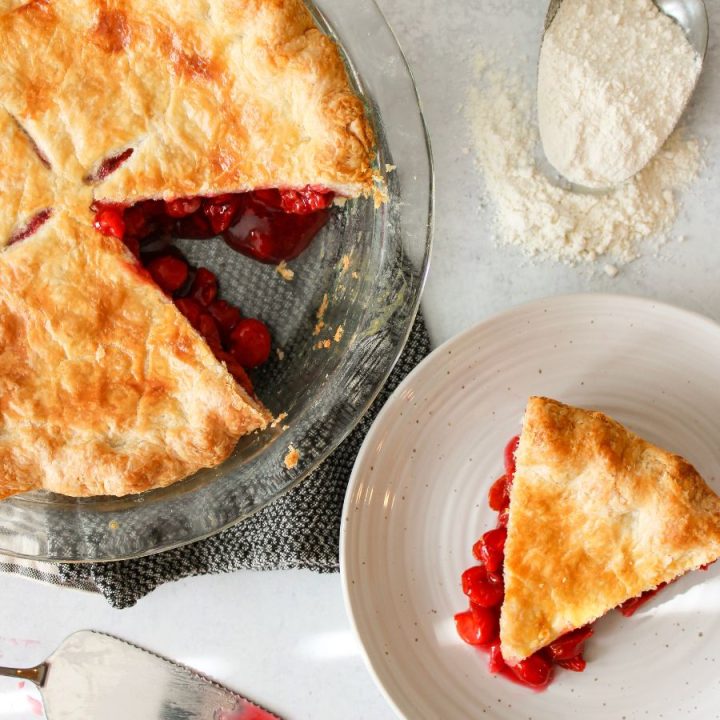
[[592, 518], [143, 120], [105, 389]]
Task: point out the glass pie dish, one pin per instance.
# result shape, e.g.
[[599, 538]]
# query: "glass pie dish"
[[362, 277]]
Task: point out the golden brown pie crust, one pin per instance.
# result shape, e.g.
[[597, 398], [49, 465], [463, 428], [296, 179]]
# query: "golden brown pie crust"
[[104, 386], [597, 516], [214, 96], [105, 389]]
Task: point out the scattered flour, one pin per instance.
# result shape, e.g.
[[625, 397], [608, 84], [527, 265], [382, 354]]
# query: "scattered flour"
[[613, 79], [532, 211]]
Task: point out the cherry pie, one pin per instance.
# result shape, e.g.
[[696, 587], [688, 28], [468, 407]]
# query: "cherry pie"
[[591, 518], [130, 121]]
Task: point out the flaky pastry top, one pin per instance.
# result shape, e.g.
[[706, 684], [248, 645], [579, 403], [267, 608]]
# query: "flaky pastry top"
[[105, 389], [597, 516], [212, 96]]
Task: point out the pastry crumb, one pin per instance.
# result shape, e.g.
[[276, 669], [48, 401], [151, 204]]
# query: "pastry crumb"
[[345, 263], [113, 525], [292, 458], [380, 195], [278, 419], [339, 333], [355, 275], [390, 168], [284, 271], [320, 314], [611, 270], [280, 354], [322, 344]]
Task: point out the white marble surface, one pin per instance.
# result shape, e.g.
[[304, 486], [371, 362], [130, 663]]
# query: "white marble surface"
[[283, 638]]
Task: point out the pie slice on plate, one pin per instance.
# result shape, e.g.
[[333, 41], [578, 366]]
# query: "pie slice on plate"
[[591, 518], [105, 388], [597, 517]]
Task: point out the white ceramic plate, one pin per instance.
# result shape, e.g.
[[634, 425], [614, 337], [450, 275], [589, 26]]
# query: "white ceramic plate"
[[417, 502]]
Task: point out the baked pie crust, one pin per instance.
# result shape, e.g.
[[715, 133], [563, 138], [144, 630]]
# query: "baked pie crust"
[[597, 516], [105, 389], [104, 386], [213, 96]]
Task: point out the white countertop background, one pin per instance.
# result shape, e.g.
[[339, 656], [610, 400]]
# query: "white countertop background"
[[282, 638]]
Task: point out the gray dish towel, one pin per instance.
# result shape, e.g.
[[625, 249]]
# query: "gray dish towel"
[[301, 529]]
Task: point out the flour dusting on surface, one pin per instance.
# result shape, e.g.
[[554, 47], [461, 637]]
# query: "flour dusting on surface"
[[531, 210]]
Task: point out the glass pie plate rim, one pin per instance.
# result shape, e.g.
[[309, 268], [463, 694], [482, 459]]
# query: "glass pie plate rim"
[[92, 528]]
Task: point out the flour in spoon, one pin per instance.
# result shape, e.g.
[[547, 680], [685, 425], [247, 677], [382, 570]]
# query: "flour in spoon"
[[613, 79], [531, 210]]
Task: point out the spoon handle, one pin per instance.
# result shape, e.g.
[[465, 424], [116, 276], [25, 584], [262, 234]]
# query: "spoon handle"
[[553, 7], [34, 674]]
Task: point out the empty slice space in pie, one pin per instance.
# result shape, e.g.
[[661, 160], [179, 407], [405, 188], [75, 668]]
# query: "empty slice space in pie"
[[597, 517], [105, 388]]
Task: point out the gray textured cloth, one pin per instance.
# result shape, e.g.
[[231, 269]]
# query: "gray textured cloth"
[[299, 530]]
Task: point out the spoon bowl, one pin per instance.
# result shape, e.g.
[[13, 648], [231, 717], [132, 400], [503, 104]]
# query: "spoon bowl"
[[692, 17]]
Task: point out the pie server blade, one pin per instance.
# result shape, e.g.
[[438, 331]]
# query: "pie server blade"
[[93, 675]]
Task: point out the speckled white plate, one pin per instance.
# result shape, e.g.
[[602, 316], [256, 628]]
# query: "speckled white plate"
[[417, 502]]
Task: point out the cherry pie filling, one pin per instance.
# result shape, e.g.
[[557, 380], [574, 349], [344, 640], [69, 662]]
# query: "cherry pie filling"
[[268, 225], [484, 587]]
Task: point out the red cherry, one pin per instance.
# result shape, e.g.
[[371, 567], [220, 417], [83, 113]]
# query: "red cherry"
[[237, 371], [191, 309], [475, 632], [490, 549], [496, 663], [204, 287], [570, 644], [487, 594], [487, 622], [226, 315], [466, 627], [135, 221], [269, 197], [576, 664], [305, 201], [472, 576], [209, 330], [535, 670], [194, 227], [629, 607], [268, 234], [182, 207], [496, 578], [169, 272], [250, 342], [499, 495], [221, 211], [510, 450], [109, 221]]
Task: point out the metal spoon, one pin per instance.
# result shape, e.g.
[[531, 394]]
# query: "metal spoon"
[[692, 17]]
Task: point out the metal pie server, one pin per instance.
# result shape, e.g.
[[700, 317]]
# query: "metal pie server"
[[92, 675]]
